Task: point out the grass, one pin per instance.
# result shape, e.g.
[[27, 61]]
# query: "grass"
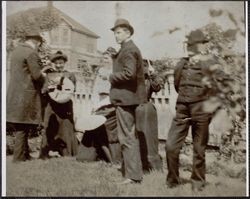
[[67, 177]]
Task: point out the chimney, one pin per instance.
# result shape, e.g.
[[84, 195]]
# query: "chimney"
[[118, 9], [50, 4]]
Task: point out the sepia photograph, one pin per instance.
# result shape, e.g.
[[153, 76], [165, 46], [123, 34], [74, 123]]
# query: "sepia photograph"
[[125, 98]]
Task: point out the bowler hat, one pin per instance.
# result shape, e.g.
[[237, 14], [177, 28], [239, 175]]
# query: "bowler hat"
[[58, 55], [196, 36], [34, 34], [123, 23]]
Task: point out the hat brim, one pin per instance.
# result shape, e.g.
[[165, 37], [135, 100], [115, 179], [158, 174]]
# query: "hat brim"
[[37, 37], [54, 58], [130, 28]]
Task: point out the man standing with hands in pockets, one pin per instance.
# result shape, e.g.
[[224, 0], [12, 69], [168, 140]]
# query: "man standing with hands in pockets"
[[127, 92]]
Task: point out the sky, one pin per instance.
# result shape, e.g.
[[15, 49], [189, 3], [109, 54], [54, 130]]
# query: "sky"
[[151, 20]]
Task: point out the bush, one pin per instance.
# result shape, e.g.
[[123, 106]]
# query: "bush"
[[36, 19]]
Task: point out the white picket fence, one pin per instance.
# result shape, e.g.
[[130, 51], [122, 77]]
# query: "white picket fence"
[[164, 102]]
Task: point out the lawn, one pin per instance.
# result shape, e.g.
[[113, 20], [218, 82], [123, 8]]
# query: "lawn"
[[67, 177]]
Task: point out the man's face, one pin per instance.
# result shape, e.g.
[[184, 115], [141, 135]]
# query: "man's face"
[[196, 48], [192, 49], [121, 34], [59, 64]]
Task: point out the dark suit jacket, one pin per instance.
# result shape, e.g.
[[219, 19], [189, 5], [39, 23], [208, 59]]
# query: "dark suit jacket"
[[127, 81], [177, 72], [190, 87], [26, 80]]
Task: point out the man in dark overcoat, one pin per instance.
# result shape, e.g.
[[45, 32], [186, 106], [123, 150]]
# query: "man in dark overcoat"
[[147, 122], [127, 92], [24, 110], [192, 94]]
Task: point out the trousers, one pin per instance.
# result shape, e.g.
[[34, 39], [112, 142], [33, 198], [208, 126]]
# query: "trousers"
[[21, 147], [188, 114], [132, 166], [147, 129]]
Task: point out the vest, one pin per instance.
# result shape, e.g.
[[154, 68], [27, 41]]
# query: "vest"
[[191, 88]]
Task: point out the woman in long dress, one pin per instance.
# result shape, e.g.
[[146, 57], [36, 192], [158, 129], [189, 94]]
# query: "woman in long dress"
[[102, 142], [58, 117]]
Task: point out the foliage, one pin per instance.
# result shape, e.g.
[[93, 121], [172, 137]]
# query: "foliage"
[[163, 67], [227, 78], [85, 69], [35, 19]]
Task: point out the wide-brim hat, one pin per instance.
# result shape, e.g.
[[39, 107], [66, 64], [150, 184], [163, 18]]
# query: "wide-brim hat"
[[123, 23], [196, 36], [34, 35], [58, 55], [89, 122]]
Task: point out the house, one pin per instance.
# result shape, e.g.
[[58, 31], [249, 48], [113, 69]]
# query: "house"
[[76, 41], [80, 45]]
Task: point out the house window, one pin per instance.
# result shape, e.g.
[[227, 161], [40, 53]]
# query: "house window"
[[65, 35], [55, 36], [90, 48]]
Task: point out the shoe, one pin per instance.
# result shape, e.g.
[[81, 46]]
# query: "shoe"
[[54, 154], [44, 156], [16, 161], [197, 189], [30, 158], [129, 181], [198, 186], [116, 166], [22, 160], [172, 185]]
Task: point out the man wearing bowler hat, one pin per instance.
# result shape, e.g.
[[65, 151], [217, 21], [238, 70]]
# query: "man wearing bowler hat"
[[24, 109], [127, 92], [192, 94]]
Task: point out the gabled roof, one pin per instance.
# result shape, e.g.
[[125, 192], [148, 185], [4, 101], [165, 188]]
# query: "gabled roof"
[[73, 23]]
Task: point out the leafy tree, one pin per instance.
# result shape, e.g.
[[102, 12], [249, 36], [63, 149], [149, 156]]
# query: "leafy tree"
[[227, 78], [35, 19], [163, 67]]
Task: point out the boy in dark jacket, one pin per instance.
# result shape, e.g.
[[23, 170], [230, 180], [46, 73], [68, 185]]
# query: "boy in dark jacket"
[[127, 92]]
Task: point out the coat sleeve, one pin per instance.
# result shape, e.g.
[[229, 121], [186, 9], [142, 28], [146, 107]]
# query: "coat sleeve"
[[128, 73], [35, 68], [177, 74]]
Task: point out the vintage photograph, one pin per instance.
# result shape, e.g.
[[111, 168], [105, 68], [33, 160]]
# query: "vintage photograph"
[[124, 98]]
